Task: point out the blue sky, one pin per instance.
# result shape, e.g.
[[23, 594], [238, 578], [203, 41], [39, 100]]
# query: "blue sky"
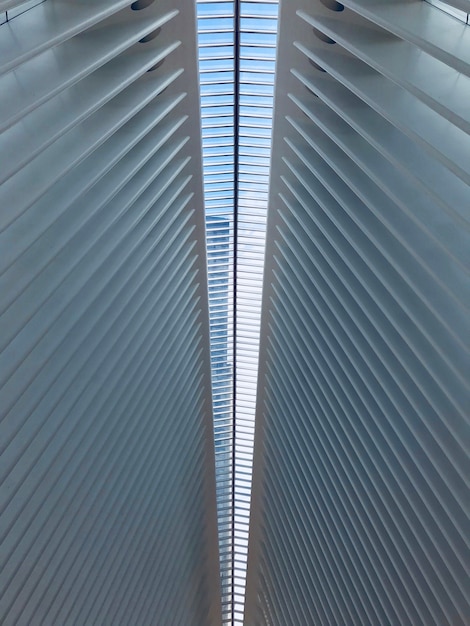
[[258, 28]]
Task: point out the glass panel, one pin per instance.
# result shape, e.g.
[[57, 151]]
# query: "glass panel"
[[235, 338], [216, 53]]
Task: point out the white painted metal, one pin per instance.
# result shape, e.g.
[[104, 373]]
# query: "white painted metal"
[[360, 490], [107, 488]]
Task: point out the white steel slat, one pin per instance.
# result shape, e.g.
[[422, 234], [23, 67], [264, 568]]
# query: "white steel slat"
[[361, 444], [326, 318], [105, 415], [458, 4], [391, 304], [448, 143], [33, 500], [146, 139], [402, 152], [32, 83], [25, 348], [389, 55], [21, 7], [57, 267], [376, 363], [48, 123], [69, 151], [7, 4], [38, 30], [439, 34], [440, 264]]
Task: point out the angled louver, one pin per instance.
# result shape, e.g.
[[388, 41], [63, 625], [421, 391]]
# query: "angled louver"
[[361, 469], [107, 505]]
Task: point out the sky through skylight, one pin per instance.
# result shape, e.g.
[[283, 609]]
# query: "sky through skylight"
[[236, 163]]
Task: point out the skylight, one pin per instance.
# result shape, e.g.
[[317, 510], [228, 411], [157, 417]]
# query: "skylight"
[[237, 49]]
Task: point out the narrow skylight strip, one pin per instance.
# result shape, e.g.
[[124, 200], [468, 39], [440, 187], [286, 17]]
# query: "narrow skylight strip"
[[216, 70], [258, 28], [235, 200]]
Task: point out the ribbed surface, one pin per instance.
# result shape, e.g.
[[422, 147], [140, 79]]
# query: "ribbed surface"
[[258, 33], [361, 474], [216, 40], [457, 8], [107, 490]]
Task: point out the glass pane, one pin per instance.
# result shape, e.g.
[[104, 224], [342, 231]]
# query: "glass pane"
[[235, 342]]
